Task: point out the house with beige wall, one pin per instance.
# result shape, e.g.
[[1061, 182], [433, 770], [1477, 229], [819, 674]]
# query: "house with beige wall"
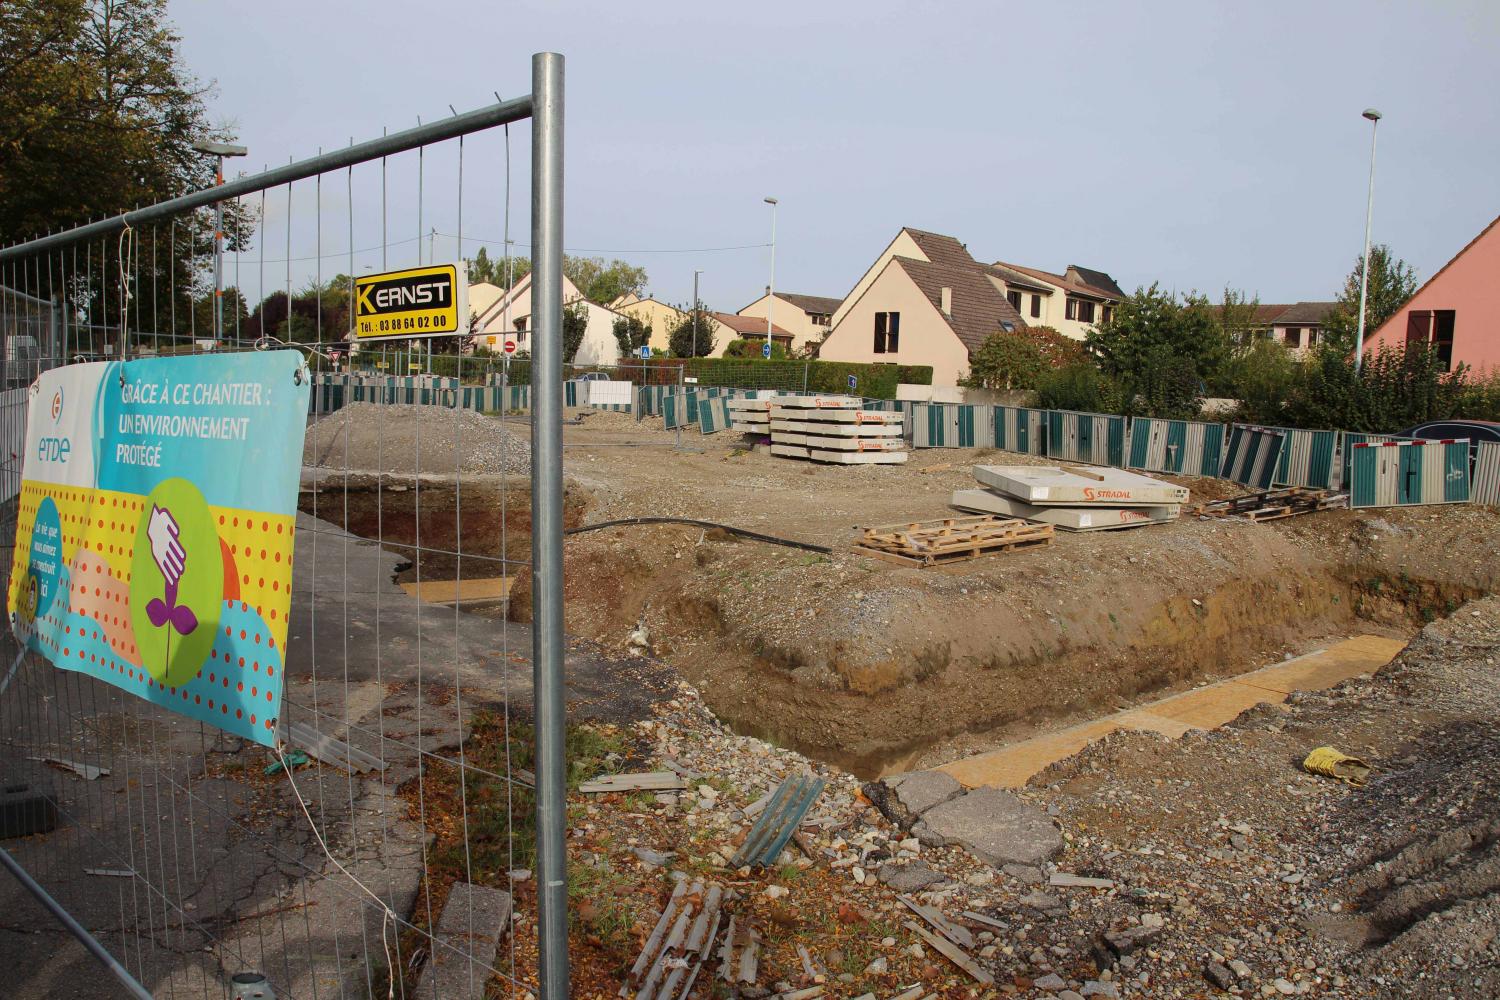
[[809, 318], [1072, 303], [508, 318], [658, 314], [925, 301]]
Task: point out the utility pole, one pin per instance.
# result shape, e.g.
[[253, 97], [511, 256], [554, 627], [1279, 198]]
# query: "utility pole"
[[219, 150], [696, 272], [1364, 272], [771, 289]]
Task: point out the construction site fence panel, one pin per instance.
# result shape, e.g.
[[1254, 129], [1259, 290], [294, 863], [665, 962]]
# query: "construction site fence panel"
[[1020, 429], [1307, 458], [1351, 440], [1485, 487], [1251, 457], [1409, 473], [1093, 438], [1185, 447]]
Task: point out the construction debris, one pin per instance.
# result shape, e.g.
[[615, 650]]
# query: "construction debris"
[[681, 943], [648, 781], [835, 429], [1271, 505], [779, 821], [951, 539]]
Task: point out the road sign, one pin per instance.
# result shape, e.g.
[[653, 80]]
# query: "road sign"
[[765, 350], [646, 352], [428, 301], [509, 348], [853, 383]]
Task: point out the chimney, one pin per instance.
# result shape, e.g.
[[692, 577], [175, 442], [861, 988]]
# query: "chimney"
[[946, 298]]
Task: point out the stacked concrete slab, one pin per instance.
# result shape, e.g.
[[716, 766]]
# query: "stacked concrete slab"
[[752, 416], [1073, 498], [835, 429]]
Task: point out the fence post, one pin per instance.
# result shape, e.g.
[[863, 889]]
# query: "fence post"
[[547, 518]]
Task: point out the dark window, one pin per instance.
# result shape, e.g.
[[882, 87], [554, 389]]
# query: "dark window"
[[1007, 326], [1085, 312], [887, 332], [1015, 299], [1294, 336], [1442, 336], [1036, 306], [1109, 313], [1070, 309], [521, 323], [1418, 326]]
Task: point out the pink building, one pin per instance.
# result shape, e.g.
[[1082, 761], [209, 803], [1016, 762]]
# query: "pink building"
[[1458, 309]]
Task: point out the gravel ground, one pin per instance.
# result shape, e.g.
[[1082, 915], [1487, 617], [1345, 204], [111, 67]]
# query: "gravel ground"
[[1227, 870], [373, 438]]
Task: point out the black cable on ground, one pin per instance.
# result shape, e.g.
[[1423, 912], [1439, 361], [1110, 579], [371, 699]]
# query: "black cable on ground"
[[740, 532]]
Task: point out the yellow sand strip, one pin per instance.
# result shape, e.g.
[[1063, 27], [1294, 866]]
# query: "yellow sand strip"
[[1202, 708], [495, 588]]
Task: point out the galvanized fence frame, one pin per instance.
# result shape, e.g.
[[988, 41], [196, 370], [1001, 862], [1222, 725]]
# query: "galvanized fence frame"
[[186, 863]]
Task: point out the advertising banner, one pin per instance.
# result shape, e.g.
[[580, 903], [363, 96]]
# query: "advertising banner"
[[155, 529]]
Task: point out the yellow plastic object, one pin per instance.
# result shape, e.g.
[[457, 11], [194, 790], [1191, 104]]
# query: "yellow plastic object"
[[1334, 764]]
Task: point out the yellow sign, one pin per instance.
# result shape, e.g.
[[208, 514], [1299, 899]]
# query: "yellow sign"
[[417, 302]]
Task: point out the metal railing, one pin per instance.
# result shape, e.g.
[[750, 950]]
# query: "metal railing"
[[182, 856]]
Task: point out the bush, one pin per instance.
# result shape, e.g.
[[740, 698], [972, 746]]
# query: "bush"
[[1080, 386], [1162, 352], [1264, 378], [1021, 359], [1398, 386], [685, 342], [753, 350], [914, 374]]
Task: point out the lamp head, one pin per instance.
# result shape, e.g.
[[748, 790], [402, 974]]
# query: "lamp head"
[[220, 148], [1372, 114], [770, 201]]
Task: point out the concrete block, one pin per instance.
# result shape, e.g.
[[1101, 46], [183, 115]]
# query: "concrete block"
[[1081, 518], [853, 443], [994, 826], [788, 450], [468, 935], [1096, 485], [831, 429], [857, 457]]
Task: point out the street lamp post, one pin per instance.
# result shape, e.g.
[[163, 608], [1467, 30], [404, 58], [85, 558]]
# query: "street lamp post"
[[1364, 272], [696, 272], [771, 290], [219, 150]]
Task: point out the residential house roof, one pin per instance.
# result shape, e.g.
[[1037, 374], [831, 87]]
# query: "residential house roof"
[[1066, 283], [979, 309], [1013, 277], [811, 303], [1266, 314], [749, 325], [1097, 279], [1304, 314]]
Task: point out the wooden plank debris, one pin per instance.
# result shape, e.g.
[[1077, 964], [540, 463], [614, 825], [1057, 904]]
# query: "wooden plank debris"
[[1272, 505], [958, 935], [951, 539], [1067, 880], [980, 918], [952, 953], [645, 781]]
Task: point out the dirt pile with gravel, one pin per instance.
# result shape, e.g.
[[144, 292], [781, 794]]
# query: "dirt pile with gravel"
[[431, 440]]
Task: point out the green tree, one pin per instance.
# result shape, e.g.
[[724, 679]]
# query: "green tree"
[[631, 334], [1161, 352], [603, 281], [683, 342], [575, 325], [98, 115], [1080, 386], [497, 270], [1237, 315], [1392, 283]]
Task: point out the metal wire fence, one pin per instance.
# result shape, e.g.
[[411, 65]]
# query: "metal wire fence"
[[383, 843]]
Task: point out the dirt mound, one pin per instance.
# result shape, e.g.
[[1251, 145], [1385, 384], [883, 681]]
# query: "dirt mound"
[[372, 437]]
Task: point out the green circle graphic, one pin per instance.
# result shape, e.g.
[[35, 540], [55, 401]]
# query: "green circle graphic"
[[171, 658]]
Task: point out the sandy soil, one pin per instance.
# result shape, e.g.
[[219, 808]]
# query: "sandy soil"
[[874, 665]]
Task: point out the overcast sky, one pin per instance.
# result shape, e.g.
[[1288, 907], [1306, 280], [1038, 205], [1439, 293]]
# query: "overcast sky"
[[1194, 144]]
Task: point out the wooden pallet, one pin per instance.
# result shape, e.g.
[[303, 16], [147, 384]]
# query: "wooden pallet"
[[951, 539], [1272, 505]]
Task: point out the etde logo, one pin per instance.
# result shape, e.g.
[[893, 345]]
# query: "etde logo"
[[55, 448]]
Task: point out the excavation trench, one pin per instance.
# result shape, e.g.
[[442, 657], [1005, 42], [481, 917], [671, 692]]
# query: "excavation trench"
[[876, 669]]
